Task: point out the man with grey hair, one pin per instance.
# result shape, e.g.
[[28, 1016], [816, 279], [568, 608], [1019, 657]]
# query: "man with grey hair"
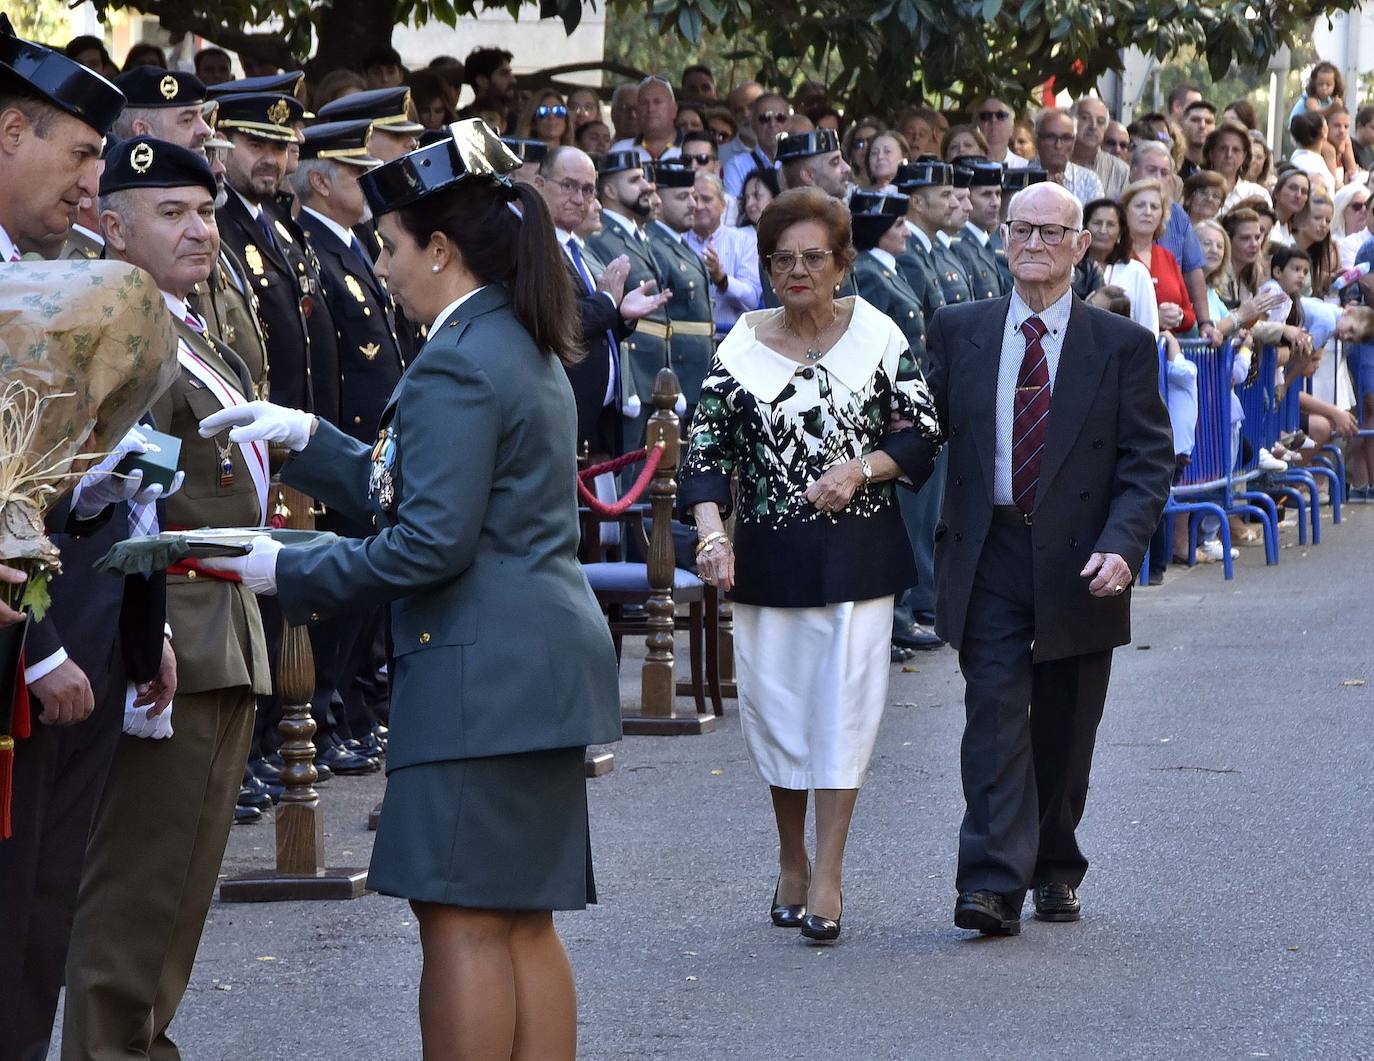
[[1093, 120], [1055, 134], [624, 110], [731, 254], [740, 99], [1151, 160], [768, 116], [1060, 458], [656, 109]]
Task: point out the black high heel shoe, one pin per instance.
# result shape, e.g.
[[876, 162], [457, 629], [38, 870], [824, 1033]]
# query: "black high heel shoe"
[[821, 930], [786, 915]]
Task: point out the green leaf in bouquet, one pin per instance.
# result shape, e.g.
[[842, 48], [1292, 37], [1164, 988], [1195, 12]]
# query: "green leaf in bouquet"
[[37, 596]]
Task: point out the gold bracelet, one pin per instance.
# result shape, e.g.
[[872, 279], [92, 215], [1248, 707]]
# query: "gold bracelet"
[[710, 540]]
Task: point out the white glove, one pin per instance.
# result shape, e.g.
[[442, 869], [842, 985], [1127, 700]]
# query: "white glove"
[[262, 422], [631, 406], [680, 406], [138, 724], [258, 570], [100, 486]]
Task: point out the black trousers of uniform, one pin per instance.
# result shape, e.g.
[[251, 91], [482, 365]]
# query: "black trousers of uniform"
[[1028, 736], [59, 774]]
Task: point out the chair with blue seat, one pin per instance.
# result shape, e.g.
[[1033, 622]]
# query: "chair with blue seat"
[[652, 589], [1209, 482]]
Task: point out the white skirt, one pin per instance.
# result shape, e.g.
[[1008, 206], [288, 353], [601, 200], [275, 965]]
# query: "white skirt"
[[812, 687]]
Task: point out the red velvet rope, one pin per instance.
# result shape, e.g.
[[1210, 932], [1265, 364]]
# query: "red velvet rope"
[[651, 460]]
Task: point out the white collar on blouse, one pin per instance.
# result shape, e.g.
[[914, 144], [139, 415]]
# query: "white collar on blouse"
[[765, 373]]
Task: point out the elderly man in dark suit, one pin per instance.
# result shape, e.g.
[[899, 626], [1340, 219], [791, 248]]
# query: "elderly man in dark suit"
[[1060, 457]]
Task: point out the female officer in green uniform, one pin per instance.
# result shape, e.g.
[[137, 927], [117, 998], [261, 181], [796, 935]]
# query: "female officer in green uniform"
[[880, 236], [503, 669]]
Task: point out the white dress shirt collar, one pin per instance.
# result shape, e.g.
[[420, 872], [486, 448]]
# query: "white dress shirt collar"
[[1055, 316], [915, 230], [978, 234], [887, 260], [631, 229], [96, 236], [7, 246], [254, 209], [176, 306], [668, 231], [345, 235]]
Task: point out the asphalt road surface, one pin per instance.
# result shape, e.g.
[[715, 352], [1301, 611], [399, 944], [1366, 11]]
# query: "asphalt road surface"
[[1227, 913]]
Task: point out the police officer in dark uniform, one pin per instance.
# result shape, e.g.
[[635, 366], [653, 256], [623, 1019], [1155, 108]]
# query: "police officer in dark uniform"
[[624, 186], [880, 235], [974, 246], [690, 313]]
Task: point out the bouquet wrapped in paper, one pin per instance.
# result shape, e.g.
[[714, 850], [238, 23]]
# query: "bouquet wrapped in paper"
[[86, 347]]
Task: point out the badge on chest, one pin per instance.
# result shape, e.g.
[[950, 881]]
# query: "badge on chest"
[[382, 482]]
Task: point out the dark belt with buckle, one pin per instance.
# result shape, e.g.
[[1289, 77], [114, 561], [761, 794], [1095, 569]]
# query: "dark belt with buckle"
[[1010, 516]]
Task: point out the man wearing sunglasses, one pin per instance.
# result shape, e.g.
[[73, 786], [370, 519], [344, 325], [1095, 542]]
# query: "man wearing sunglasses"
[[997, 121], [1060, 457], [768, 116], [656, 107]]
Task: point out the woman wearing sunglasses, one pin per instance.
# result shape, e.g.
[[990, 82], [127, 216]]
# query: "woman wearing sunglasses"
[[545, 118]]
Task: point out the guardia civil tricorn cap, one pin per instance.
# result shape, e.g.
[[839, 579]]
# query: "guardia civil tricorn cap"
[[872, 214], [805, 145], [531, 151], [1018, 180], [30, 68], [673, 174], [270, 116], [472, 151], [340, 142]]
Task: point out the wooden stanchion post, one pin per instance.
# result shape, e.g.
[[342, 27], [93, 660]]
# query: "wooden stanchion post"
[[659, 714], [300, 871]]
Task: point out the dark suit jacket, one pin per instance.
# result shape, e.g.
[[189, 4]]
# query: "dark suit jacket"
[[281, 286], [589, 377], [369, 355], [1104, 475], [500, 646]]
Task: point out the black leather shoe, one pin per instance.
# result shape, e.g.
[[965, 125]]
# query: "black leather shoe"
[[818, 930], [264, 771], [988, 913], [786, 915], [1057, 902], [244, 815], [251, 797], [901, 655], [369, 747], [340, 761], [917, 637]]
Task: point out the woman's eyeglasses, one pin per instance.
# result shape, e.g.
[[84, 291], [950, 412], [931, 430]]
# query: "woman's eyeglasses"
[[545, 110], [813, 259]]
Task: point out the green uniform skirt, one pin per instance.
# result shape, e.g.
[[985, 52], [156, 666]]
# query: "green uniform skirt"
[[508, 832]]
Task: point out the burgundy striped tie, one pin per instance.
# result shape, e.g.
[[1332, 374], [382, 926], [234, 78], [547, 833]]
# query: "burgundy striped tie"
[[1031, 413]]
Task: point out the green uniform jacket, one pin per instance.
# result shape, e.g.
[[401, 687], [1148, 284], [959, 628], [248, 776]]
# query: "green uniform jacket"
[[950, 268], [918, 270], [642, 353], [216, 627], [887, 292], [980, 266], [686, 275], [500, 646], [229, 308]]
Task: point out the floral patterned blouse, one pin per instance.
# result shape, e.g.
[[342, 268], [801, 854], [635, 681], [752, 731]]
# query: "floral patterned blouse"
[[780, 425]]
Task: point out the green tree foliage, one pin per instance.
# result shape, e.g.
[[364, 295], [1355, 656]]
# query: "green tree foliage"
[[870, 52]]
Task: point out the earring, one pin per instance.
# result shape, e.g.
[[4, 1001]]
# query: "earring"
[[433, 268]]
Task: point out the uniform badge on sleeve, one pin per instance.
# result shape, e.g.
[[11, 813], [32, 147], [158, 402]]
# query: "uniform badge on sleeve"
[[382, 482]]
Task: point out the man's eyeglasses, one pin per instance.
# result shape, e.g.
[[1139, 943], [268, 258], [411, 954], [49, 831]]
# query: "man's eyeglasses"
[[556, 110], [993, 116], [1050, 235], [705, 158], [813, 258], [1057, 138], [571, 187], [1116, 145], [772, 117]]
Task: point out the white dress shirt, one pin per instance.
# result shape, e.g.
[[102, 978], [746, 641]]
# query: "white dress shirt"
[[738, 251], [1055, 318], [885, 258], [8, 251], [346, 236], [564, 238]]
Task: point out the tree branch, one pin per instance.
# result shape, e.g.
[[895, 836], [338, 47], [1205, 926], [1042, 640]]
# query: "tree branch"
[[177, 17]]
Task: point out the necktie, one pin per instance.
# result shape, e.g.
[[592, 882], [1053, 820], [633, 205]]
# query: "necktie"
[[195, 322], [266, 226], [358, 250], [580, 264], [1030, 411]]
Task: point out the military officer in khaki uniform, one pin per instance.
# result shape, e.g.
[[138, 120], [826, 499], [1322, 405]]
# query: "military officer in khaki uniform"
[[691, 316], [164, 818]]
